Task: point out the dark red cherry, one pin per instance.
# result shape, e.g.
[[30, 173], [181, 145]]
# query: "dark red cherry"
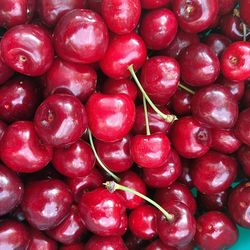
[[27, 49], [21, 149], [185, 177], [181, 102], [70, 78], [70, 230], [235, 61], [13, 235], [242, 128], [166, 174], [121, 17], [75, 246], [181, 230], [190, 138], [160, 76], [195, 16], [244, 159], [158, 245], [110, 117], [244, 11], [102, 243], [154, 4], [158, 28], [81, 36], [214, 172], [50, 11], [46, 203], [60, 120], [11, 190], [205, 65], [215, 231], [15, 12], [176, 192], [123, 51], [215, 106], [134, 243], [102, 212], [74, 161], [150, 151], [239, 204], [5, 72]]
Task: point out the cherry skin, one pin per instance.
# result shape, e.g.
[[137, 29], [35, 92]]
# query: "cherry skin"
[[195, 16], [74, 161], [13, 235], [150, 151], [20, 138], [239, 204], [110, 117], [154, 4], [193, 139], [215, 106], [166, 174], [5, 72], [27, 49], [245, 100], [11, 190], [123, 51], [181, 102], [214, 172], [81, 36], [60, 120], [205, 65], [132, 242], [242, 129], [158, 245], [186, 177], [70, 78], [160, 76], [215, 231], [244, 11], [102, 212], [243, 156], [226, 6], [74, 246], [158, 28], [50, 11], [46, 203], [235, 61]]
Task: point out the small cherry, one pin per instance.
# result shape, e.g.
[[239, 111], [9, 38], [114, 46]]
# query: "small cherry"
[[181, 102]]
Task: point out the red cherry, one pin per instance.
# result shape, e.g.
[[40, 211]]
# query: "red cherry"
[[132, 242], [27, 49], [81, 36], [75, 246], [5, 72], [154, 4], [158, 245], [244, 11], [181, 102], [110, 117], [186, 177], [226, 6], [244, 159]]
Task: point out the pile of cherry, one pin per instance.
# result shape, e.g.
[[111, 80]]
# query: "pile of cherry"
[[112, 112]]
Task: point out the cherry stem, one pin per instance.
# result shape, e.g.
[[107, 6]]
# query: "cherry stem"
[[168, 118], [146, 115], [113, 186], [244, 31], [99, 160], [190, 91]]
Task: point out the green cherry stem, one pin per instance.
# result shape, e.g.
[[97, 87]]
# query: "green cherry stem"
[[99, 160], [146, 115], [190, 91], [244, 27], [113, 186], [168, 118]]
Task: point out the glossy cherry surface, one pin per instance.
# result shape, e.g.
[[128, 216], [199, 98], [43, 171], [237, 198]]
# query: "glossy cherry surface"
[[81, 36], [186, 177], [181, 102], [27, 49], [46, 203], [244, 159], [60, 120]]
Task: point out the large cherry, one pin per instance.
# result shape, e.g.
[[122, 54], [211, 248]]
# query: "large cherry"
[[244, 159], [110, 117], [46, 203]]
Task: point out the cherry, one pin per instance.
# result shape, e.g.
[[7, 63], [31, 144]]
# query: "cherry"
[[150, 151], [215, 231], [60, 120], [102, 212], [11, 190], [244, 11], [50, 11], [13, 235], [70, 78], [158, 245], [235, 61], [226, 6], [242, 129], [215, 106], [81, 36], [195, 16], [160, 76], [244, 159], [214, 172], [123, 51], [154, 4], [158, 28], [75, 246], [166, 174], [14, 12], [27, 49], [5, 72], [181, 102], [186, 177], [205, 65], [46, 203], [110, 117], [134, 243], [20, 138]]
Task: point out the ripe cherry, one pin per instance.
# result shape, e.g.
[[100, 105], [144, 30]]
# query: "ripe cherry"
[[244, 11], [244, 159]]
